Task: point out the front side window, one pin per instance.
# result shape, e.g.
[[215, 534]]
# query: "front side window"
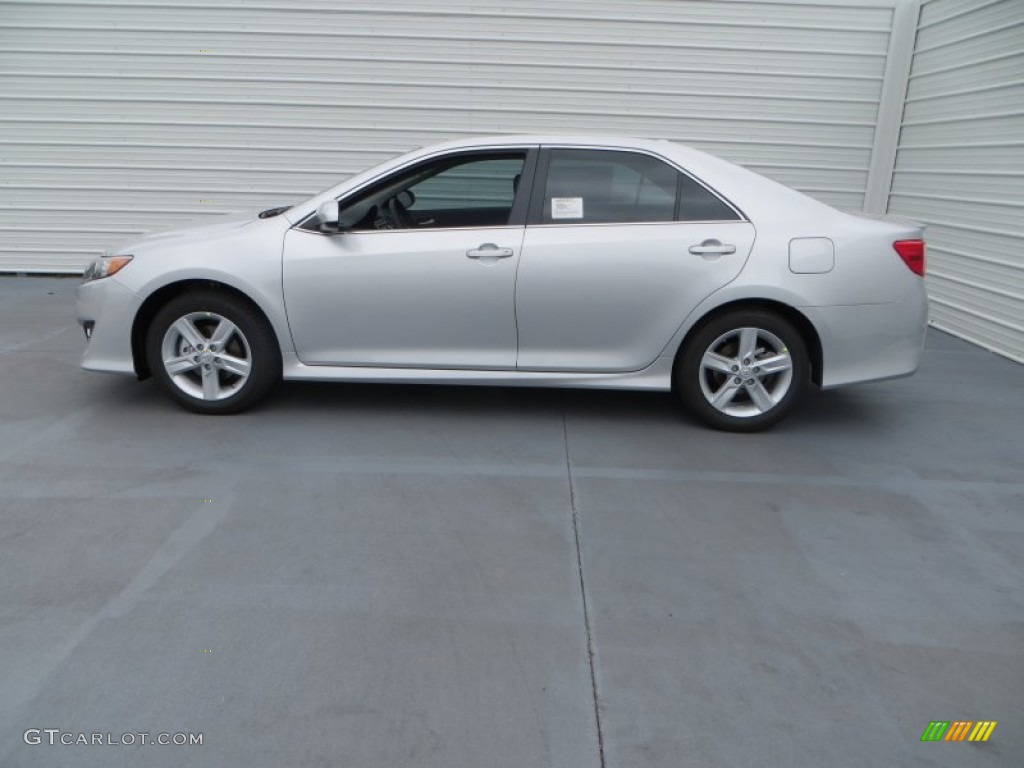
[[462, 191], [604, 186]]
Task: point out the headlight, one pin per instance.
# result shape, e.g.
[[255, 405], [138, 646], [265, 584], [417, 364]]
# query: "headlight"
[[105, 267]]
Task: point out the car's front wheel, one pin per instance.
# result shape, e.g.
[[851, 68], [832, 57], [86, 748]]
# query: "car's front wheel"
[[743, 371], [212, 352]]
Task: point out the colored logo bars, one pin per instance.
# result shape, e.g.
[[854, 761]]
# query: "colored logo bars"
[[958, 730]]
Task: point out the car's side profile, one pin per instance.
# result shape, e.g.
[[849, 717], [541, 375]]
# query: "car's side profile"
[[523, 261]]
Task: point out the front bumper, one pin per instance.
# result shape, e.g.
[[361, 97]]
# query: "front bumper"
[[110, 308]]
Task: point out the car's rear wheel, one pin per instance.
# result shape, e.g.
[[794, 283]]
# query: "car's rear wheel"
[[743, 371], [212, 352]]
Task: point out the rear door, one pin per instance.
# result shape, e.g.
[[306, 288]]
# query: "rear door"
[[620, 246]]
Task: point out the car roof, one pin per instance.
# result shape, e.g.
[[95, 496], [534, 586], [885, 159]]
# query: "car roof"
[[656, 146], [522, 139]]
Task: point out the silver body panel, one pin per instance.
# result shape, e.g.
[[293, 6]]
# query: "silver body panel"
[[605, 298], [402, 298], [574, 305]]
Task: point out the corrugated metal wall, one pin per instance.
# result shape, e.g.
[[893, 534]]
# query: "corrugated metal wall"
[[960, 166], [119, 116]]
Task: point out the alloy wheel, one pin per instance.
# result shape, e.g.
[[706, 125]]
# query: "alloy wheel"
[[206, 356], [746, 372]]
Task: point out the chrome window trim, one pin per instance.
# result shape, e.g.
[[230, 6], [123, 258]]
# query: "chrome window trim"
[[640, 223], [521, 226], [352, 232]]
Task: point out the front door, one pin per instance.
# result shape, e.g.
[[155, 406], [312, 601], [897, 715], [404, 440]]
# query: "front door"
[[423, 276]]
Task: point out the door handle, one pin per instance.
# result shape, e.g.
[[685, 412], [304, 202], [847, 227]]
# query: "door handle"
[[712, 248], [489, 251]]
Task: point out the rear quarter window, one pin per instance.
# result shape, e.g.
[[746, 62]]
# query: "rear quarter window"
[[696, 203]]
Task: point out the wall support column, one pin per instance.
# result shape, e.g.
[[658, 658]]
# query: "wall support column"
[[890, 105]]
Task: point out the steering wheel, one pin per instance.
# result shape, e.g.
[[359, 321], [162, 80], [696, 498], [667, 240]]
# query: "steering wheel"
[[398, 208]]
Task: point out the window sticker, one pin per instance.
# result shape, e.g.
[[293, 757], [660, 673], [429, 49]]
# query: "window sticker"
[[566, 207]]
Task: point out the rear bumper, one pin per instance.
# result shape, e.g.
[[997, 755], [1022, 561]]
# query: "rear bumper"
[[110, 308], [869, 342]]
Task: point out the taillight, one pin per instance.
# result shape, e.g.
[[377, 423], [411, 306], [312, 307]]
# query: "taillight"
[[912, 253]]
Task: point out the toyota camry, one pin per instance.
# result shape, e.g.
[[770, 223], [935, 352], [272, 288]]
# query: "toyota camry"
[[544, 261]]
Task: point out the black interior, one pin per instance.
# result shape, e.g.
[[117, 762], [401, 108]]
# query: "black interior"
[[393, 204], [466, 217]]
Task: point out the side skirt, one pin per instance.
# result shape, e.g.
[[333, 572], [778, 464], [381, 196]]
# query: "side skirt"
[[656, 377]]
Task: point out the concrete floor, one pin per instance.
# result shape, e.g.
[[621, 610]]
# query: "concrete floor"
[[416, 576]]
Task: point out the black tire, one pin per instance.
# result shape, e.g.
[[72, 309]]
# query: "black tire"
[[744, 406], [252, 340]]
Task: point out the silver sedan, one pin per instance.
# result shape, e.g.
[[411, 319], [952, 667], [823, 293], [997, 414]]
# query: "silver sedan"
[[523, 261]]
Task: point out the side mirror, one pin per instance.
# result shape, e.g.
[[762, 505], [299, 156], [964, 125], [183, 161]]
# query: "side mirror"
[[327, 215]]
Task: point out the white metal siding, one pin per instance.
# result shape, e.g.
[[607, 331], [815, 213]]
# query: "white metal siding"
[[960, 166], [121, 116]]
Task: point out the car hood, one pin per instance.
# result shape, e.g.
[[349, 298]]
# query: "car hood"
[[199, 229]]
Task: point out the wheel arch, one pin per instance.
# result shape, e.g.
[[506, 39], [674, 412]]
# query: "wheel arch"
[[158, 298], [805, 327]]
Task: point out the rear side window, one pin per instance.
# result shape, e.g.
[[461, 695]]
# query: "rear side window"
[[596, 187], [607, 187]]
